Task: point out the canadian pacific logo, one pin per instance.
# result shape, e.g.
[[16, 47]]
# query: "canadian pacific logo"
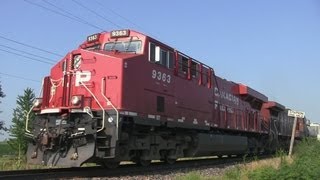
[[227, 96], [82, 77]]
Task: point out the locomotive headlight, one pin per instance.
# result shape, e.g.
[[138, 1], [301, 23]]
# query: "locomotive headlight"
[[110, 119], [76, 100], [37, 102], [77, 61]]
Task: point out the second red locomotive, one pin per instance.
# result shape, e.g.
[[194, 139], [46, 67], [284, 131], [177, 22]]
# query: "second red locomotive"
[[124, 96]]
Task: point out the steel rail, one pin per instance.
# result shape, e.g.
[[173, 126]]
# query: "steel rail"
[[123, 170]]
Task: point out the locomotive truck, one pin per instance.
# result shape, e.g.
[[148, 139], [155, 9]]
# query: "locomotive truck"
[[125, 96]]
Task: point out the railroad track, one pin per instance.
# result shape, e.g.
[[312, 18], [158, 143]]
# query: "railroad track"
[[123, 170]]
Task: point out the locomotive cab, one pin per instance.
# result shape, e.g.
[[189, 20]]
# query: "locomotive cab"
[[77, 117]]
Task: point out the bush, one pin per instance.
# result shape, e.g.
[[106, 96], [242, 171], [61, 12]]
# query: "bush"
[[306, 164], [5, 149], [266, 173], [234, 174], [12, 163]]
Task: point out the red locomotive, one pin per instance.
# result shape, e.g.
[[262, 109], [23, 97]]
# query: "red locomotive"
[[124, 96]]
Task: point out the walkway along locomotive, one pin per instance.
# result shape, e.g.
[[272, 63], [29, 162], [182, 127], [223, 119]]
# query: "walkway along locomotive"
[[124, 96]]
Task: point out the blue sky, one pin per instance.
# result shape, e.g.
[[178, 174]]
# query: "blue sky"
[[272, 46]]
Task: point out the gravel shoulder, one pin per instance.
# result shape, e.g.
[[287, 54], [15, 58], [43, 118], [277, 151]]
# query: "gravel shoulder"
[[206, 171]]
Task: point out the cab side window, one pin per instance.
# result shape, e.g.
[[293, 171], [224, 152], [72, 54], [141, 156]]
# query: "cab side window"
[[183, 64], [161, 56], [170, 60], [152, 52], [194, 69]]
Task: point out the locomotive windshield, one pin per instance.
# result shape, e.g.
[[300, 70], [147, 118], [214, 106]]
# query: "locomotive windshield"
[[123, 46]]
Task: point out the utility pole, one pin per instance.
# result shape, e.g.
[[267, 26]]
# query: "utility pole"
[[296, 115]]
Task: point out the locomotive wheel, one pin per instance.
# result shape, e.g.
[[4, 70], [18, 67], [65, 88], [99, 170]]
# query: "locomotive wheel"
[[144, 162], [170, 160], [167, 158], [111, 164]]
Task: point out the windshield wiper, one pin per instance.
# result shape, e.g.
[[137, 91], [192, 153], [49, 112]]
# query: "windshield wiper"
[[127, 48], [113, 45]]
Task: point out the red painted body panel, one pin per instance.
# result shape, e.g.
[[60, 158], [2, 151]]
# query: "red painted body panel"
[[133, 84], [64, 85]]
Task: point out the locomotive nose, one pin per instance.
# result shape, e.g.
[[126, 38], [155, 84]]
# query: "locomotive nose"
[[63, 137]]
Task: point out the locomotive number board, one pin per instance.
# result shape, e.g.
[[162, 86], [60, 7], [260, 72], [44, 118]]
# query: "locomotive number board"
[[119, 33]]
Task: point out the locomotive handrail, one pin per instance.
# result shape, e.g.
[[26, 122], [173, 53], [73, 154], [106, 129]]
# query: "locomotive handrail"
[[27, 117], [27, 120], [103, 83], [95, 98]]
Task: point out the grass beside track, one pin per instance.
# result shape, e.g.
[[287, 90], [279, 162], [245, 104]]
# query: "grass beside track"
[[9, 160], [8, 163], [304, 164], [5, 149]]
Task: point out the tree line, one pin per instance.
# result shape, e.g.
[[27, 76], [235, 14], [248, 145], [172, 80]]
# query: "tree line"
[[17, 141]]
